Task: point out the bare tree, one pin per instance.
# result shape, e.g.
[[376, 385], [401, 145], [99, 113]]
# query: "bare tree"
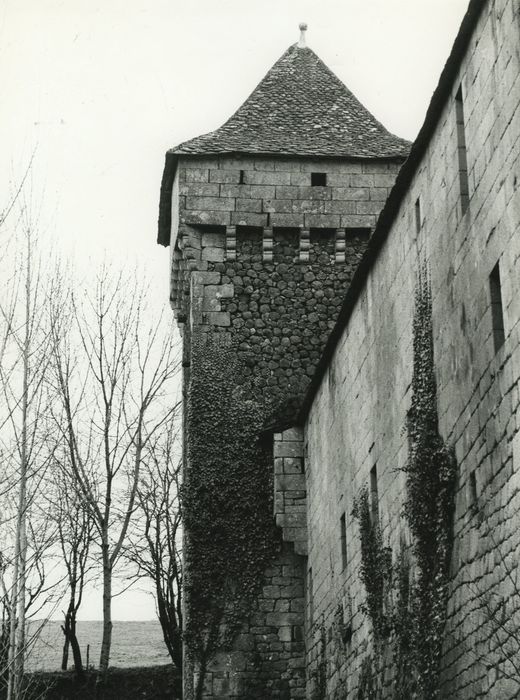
[[23, 367], [17, 193], [113, 370], [155, 544], [75, 534]]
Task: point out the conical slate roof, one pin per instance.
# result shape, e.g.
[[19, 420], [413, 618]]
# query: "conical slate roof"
[[300, 108]]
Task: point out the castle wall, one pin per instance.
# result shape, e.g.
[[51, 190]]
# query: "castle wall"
[[358, 416], [264, 266]]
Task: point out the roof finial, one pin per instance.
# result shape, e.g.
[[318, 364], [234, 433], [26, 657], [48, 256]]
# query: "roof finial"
[[303, 29]]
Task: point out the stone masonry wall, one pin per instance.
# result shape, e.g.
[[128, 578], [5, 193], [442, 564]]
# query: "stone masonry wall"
[[281, 276], [268, 657], [290, 506], [356, 424], [267, 263], [278, 192]]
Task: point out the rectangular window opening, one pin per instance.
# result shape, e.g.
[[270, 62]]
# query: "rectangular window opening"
[[418, 220], [241, 179], [462, 152], [343, 536], [318, 179], [374, 496], [497, 311]]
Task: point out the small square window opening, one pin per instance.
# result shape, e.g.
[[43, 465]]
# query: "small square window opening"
[[318, 179]]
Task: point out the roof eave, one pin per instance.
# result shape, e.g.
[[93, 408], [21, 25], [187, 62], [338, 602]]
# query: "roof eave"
[[165, 199]]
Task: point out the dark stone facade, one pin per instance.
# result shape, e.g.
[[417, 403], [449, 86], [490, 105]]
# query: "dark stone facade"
[[282, 311]]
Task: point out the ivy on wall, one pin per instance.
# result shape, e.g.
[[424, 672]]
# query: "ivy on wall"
[[404, 680], [227, 501], [415, 625], [376, 565], [431, 476]]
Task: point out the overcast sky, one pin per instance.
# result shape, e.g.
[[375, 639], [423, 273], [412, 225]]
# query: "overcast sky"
[[101, 89]]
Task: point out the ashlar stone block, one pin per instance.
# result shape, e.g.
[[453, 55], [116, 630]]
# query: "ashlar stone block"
[[288, 449], [217, 318], [290, 482]]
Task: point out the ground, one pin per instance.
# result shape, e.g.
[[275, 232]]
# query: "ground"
[[143, 683]]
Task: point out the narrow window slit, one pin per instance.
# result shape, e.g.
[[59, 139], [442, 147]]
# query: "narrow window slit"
[[418, 219], [462, 151], [343, 538], [374, 496], [497, 311]]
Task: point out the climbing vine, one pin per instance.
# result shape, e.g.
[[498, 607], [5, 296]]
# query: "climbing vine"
[[403, 630], [431, 474], [376, 565], [415, 624], [227, 501]]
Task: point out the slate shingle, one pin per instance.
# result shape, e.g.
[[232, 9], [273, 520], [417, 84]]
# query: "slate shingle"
[[300, 108]]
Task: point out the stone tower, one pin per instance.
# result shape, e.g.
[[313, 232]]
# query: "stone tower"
[[267, 218]]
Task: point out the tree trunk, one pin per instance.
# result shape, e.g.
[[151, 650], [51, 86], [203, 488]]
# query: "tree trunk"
[[71, 640], [66, 631], [17, 631], [12, 622], [167, 607], [172, 638], [19, 661], [4, 647], [107, 612], [76, 651]]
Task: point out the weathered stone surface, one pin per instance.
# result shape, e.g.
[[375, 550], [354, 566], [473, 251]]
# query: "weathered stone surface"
[[279, 313], [291, 435], [195, 175], [210, 203], [215, 218], [213, 254], [288, 449], [360, 410], [218, 318], [290, 482], [243, 218]]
